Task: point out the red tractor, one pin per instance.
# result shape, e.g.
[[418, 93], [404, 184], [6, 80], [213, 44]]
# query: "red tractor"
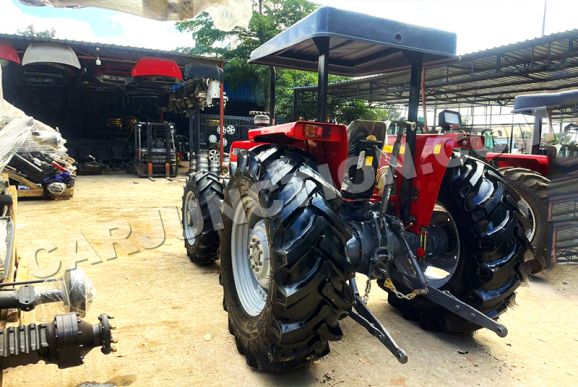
[[441, 233], [530, 173]]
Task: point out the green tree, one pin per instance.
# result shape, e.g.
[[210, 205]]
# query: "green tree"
[[270, 17], [31, 31], [361, 110]]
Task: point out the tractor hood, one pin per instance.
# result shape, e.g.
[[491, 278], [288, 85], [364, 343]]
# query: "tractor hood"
[[42, 53], [8, 53], [157, 67], [226, 14]]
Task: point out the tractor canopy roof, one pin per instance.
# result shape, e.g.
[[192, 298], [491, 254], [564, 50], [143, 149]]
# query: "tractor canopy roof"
[[358, 44], [526, 104]]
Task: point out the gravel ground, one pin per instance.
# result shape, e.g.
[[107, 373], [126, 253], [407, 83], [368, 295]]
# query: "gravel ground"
[[172, 331]]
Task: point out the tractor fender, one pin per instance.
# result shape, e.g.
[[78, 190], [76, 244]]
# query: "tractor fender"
[[537, 163]]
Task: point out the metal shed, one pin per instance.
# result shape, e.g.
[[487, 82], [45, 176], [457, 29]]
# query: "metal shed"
[[485, 78], [96, 108]]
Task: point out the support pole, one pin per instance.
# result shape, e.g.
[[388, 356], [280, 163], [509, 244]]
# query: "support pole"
[[295, 105], [536, 134], [194, 135], [222, 123], [149, 150], [322, 77], [423, 101], [409, 173], [272, 91], [511, 140]]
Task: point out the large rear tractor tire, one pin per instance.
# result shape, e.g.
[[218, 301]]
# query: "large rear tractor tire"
[[281, 260], [201, 199], [533, 189], [486, 247]]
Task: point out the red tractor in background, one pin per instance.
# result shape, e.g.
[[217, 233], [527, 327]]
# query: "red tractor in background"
[[307, 206], [530, 174]]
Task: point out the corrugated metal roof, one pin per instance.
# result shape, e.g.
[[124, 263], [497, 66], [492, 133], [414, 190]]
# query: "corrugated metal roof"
[[107, 50], [490, 77]]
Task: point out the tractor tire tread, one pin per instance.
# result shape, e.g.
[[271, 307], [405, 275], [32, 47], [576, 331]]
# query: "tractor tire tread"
[[302, 313], [206, 187]]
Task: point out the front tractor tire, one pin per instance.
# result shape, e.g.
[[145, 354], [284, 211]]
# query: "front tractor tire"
[[201, 199], [486, 237], [281, 252], [533, 189]]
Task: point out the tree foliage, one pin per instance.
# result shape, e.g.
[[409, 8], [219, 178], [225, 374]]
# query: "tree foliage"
[[361, 110], [270, 17], [31, 31]]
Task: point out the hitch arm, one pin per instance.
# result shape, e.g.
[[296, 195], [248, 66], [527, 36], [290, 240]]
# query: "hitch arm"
[[371, 323], [467, 312]]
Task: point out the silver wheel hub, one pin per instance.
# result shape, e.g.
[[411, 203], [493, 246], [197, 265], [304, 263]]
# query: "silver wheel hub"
[[259, 254], [527, 209], [193, 222], [439, 269], [250, 257]]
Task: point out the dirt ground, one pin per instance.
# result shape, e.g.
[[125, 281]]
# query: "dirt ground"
[[172, 331]]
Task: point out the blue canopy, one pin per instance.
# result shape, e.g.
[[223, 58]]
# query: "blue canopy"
[[359, 44], [526, 103]]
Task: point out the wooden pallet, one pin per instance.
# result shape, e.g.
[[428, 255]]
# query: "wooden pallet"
[[13, 273], [35, 190]]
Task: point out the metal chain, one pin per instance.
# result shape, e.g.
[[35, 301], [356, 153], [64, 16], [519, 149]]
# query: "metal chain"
[[409, 296], [367, 290]]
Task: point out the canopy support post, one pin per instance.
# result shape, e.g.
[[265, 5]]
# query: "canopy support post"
[[536, 134], [272, 91], [194, 136], [295, 117], [222, 125], [408, 194], [323, 77]]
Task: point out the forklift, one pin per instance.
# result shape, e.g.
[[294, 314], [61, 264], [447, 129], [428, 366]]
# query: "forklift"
[[155, 150]]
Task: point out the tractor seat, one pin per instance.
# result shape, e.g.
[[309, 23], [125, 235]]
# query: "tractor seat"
[[566, 166], [550, 151], [363, 136], [360, 130]]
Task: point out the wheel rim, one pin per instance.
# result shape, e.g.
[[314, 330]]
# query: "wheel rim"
[[250, 257], [193, 218], [530, 225], [439, 267]]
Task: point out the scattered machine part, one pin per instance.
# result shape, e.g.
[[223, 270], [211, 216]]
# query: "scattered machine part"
[[64, 341], [260, 119]]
